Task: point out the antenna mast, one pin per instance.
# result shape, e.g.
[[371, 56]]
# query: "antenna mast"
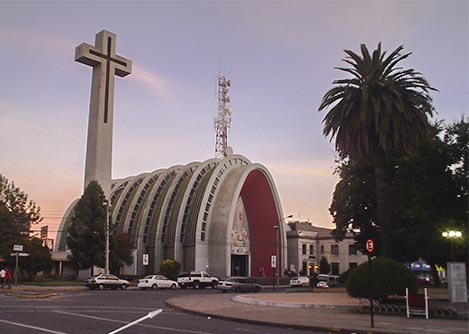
[[223, 120]]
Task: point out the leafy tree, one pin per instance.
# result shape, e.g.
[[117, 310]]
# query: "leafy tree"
[[381, 109], [86, 238], [387, 277], [429, 197], [353, 206], [121, 249], [39, 259], [324, 266], [86, 233], [170, 268], [17, 214]]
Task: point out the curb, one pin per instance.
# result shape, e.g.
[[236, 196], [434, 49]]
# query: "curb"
[[276, 324], [252, 301], [31, 296]]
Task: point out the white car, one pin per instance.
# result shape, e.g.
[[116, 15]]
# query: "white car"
[[156, 282], [299, 281]]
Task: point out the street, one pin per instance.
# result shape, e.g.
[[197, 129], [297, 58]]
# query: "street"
[[85, 311]]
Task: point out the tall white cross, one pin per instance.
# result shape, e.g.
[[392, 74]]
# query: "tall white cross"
[[102, 57]]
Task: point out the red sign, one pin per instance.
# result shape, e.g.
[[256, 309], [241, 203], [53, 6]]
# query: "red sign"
[[370, 245]]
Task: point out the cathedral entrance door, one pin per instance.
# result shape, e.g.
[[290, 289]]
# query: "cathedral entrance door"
[[239, 265]]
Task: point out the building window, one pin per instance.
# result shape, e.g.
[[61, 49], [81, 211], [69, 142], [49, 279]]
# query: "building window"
[[322, 249], [311, 249], [304, 249], [334, 249], [352, 265], [352, 249], [335, 268]]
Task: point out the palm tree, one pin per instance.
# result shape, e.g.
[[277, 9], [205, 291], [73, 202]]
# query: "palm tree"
[[381, 109]]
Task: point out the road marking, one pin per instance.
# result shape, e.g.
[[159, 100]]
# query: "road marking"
[[126, 322], [32, 327]]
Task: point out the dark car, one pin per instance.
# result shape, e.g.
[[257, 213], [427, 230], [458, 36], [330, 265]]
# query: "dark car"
[[239, 284], [104, 281]]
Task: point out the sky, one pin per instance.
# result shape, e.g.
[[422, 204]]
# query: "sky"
[[279, 55]]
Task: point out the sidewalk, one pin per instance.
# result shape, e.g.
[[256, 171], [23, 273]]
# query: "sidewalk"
[[323, 311]]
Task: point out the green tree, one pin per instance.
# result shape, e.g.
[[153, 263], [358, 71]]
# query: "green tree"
[[121, 249], [381, 109], [86, 233], [353, 206], [429, 196], [324, 266], [387, 277], [17, 214], [170, 268], [39, 259]]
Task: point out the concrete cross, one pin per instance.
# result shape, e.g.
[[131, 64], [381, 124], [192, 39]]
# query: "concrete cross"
[[106, 64], [104, 60]]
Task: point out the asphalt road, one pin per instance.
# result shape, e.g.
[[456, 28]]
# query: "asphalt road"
[[85, 311]]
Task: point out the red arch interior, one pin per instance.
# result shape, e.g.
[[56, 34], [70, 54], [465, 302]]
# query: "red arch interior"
[[261, 212]]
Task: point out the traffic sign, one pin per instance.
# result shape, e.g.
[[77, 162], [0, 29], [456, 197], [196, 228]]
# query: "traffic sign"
[[19, 254], [273, 261], [370, 245], [17, 248], [146, 260]]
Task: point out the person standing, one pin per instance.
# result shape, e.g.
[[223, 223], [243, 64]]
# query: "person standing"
[[7, 279], [2, 276]]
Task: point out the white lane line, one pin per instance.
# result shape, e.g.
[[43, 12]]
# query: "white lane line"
[[31, 327], [126, 322]]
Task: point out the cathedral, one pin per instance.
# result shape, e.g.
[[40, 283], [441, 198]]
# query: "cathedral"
[[222, 215]]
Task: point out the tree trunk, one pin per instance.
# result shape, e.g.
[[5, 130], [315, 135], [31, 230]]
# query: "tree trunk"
[[383, 203]]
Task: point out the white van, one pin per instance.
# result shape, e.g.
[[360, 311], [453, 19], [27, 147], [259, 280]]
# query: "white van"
[[327, 281]]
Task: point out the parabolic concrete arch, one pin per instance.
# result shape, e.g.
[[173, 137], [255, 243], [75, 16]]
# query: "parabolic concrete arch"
[[218, 215]]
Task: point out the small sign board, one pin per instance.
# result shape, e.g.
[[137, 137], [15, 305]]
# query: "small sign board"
[[370, 245], [146, 260], [273, 261], [17, 248], [44, 231], [457, 282], [19, 254]]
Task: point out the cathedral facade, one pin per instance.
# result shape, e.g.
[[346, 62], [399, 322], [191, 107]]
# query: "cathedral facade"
[[220, 215]]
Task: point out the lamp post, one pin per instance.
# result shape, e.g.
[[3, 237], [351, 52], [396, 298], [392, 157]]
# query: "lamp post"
[[451, 235], [106, 250], [277, 232]]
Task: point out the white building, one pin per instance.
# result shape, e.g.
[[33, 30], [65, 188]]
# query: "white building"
[[307, 244]]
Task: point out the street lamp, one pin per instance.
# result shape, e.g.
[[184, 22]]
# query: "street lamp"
[[451, 235], [277, 232], [106, 251]]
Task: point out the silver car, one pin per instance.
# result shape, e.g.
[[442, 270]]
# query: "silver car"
[[104, 281], [239, 284]]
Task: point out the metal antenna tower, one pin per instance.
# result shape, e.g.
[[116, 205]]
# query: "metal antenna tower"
[[223, 120]]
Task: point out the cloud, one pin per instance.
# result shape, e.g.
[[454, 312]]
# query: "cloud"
[[37, 41], [301, 170], [153, 82]]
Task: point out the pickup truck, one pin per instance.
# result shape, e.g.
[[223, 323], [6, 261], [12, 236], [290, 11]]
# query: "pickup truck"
[[197, 280]]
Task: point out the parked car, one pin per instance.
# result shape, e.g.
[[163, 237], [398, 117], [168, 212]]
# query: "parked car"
[[156, 282], [104, 281], [197, 280], [299, 281], [239, 284], [327, 281]]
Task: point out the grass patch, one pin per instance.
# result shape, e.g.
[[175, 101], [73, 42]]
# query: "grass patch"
[[53, 283]]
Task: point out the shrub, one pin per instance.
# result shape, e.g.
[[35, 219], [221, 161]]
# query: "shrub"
[[387, 277], [170, 268], [344, 276], [324, 266]]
